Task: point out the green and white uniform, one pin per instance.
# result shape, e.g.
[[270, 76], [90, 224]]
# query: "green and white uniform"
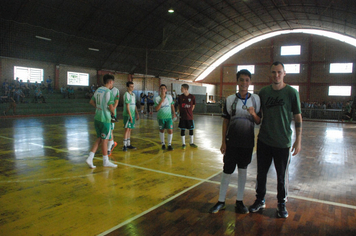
[[102, 119], [116, 95], [164, 115], [129, 99]]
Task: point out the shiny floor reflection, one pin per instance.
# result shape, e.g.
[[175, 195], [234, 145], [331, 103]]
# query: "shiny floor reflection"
[[47, 188]]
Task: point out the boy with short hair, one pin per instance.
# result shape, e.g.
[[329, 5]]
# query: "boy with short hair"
[[186, 104], [164, 105], [103, 102], [129, 118]]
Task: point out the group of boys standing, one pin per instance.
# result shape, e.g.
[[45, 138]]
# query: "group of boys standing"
[[106, 100], [274, 107]]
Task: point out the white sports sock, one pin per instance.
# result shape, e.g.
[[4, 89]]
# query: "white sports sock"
[[191, 139], [128, 142], [125, 142], [107, 163], [170, 137], [183, 139], [225, 180], [241, 181], [110, 143], [89, 160], [161, 136]]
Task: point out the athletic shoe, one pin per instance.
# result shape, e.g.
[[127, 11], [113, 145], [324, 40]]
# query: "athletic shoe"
[[107, 163], [217, 207], [124, 149], [184, 146], [257, 206], [193, 145], [112, 148], [131, 147], [282, 210], [170, 148], [90, 163], [163, 147], [241, 208]]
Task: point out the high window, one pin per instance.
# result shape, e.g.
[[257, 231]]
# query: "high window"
[[339, 90], [27, 73], [250, 68], [296, 87], [292, 68], [341, 67], [290, 50], [77, 78]]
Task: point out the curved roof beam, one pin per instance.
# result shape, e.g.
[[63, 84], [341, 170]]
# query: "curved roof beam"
[[337, 36]]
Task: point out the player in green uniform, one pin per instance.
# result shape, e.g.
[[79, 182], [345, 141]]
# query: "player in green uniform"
[[103, 101], [112, 144], [129, 118], [164, 105]]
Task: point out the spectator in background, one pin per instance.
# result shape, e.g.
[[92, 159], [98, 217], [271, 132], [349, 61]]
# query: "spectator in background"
[[64, 91], [142, 101], [19, 95], [39, 95], [71, 92], [49, 84], [150, 103]]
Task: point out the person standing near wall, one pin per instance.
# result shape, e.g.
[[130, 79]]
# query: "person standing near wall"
[[278, 102], [186, 104], [238, 139], [103, 102], [164, 105], [129, 117]]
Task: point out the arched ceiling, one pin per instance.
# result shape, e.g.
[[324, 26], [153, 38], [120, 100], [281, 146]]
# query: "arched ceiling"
[[140, 36]]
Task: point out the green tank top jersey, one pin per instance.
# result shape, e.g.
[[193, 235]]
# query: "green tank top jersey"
[[116, 95], [103, 98], [129, 99], [165, 111], [278, 108]]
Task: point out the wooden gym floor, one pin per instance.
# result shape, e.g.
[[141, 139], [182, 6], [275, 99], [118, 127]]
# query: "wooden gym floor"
[[48, 189]]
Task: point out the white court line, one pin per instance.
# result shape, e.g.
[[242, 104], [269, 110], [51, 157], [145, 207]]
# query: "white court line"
[[193, 186], [154, 207]]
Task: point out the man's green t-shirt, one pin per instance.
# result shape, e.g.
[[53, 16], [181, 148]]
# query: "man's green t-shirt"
[[103, 98], [165, 112], [277, 107], [129, 99]]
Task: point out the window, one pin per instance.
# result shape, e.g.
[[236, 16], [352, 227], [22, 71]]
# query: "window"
[[77, 78], [290, 50], [27, 73], [250, 68], [295, 87], [339, 90], [341, 67], [250, 88], [292, 68]]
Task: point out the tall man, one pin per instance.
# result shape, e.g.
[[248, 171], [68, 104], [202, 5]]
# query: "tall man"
[[103, 102], [129, 117], [164, 105], [278, 102], [186, 105]]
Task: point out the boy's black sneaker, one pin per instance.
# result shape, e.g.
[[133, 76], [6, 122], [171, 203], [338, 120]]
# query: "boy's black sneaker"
[[257, 206], [241, 208], [131, 147], [163, 147], [282, 210], [170, 148], [124, 149], [217, 207]]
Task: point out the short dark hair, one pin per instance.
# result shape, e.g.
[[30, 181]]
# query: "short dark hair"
[[163, 85], [128, 83], [243, 72], [276, 63], [108, 77], [186, 86]]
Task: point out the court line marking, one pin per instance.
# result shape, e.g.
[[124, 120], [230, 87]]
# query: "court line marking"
[[154, 207], [176, 175]]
